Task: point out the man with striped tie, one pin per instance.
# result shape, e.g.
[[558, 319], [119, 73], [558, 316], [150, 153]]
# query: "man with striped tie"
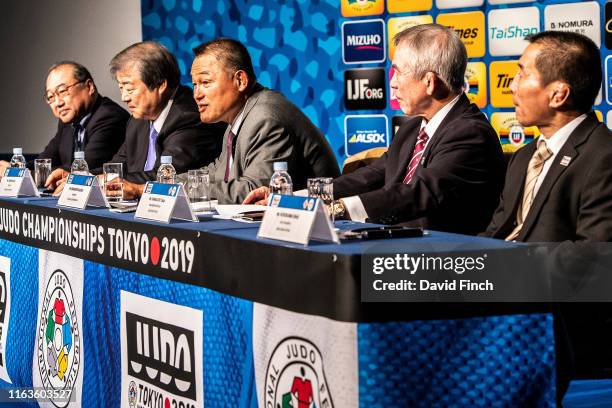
[[444, 169]]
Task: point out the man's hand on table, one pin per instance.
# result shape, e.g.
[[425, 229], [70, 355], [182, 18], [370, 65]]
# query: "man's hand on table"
[[259, 196], [132, 191], [3, 166], [56, 181]]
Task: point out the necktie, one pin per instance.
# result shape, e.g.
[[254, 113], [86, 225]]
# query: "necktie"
[[419, 147], [534, 169], [151, 154], [77, 143], [229, 147]]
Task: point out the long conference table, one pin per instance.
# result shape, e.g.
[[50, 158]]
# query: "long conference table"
[[101, 310]]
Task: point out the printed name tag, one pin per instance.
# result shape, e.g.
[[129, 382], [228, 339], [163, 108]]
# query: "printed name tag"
[[17, 182], [296, 219], [81, 191], [162, 202]]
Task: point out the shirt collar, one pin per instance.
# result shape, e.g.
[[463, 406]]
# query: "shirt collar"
[[558, 139], [436, 120], [159, 122], [238, 121]]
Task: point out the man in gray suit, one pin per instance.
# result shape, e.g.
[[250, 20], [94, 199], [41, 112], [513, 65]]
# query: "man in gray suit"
[[263, 126]]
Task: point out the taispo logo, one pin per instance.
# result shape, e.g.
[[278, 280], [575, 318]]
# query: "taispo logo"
[[363, 41], [365, 89], [362, 132], [509, 27], [161, 354]]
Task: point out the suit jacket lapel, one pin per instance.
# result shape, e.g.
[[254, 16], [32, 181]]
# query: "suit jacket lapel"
[[569, 150], [143, 128], [456, 111], [250, 103]]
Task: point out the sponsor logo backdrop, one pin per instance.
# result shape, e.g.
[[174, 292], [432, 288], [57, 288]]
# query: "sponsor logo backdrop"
[[297, 46]]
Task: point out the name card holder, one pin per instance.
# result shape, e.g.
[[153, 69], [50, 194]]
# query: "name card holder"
[[162, 202], [18, 182], [296, 219], [80, 191]]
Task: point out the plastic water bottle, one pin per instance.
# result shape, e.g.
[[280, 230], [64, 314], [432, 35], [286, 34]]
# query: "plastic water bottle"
[[79, 165], [281, 183], [166, 172], [18, 160]]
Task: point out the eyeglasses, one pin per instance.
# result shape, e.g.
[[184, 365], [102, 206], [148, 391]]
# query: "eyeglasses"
[[60, 92]]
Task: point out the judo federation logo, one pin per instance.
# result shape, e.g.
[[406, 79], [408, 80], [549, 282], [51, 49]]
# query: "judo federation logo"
[[58, 336], [295, 377]]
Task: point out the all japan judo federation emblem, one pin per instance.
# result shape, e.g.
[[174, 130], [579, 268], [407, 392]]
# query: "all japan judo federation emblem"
[[59, 340], [295, 377]]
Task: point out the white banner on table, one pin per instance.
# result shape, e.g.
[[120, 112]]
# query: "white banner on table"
[[17, 182], [5, 313], [161, 353], [304, 360], [296, 219], [162, 202], [58, 349], [81, 191]]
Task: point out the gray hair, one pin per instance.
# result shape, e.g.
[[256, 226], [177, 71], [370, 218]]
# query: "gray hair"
[[436, 49], [152, 61]]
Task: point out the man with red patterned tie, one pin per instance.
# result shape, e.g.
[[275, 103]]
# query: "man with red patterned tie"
[[444, 169]]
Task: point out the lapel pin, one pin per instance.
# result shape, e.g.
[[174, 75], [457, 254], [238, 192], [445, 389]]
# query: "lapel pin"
[[565, 160]]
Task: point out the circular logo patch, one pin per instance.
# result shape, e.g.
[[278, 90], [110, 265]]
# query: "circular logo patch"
[[59, 340], [295, 376]]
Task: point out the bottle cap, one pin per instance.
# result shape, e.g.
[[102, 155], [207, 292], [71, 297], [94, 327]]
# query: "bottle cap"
[[17, 150], [79, 155], [165, 160], [280, 166]]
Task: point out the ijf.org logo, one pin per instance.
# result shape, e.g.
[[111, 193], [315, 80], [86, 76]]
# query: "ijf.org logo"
[[362, 132], [59, 339], [295, 376], [363, 41], [365, 89]]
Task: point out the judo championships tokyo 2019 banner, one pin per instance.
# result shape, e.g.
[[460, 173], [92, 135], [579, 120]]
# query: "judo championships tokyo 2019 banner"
[[115, 338]]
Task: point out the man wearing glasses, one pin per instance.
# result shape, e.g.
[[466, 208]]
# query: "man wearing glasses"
[[87, 121]]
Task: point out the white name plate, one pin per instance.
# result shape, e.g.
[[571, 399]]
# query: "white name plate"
[[80, 191], [296, 219], [17, 182], [162, 202]]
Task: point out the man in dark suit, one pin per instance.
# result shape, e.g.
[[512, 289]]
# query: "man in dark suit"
[[559, 187], [444, 168], [165, 119], [261, 126], [87, 121], [162, 109]]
